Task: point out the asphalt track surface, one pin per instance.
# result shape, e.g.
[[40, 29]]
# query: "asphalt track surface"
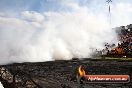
[[62, 74]]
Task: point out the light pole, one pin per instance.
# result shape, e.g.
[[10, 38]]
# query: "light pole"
[[109, 1]]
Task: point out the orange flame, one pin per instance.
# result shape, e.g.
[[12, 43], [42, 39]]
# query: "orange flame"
[[81, 71]]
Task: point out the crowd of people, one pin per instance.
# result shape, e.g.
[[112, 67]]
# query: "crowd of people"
[[124, 44]]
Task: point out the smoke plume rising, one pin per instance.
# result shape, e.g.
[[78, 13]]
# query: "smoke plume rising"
[[35, 37]]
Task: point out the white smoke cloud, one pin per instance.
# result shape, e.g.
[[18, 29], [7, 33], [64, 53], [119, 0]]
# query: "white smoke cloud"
[[121, 14], [35, 37], [1, 86]]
